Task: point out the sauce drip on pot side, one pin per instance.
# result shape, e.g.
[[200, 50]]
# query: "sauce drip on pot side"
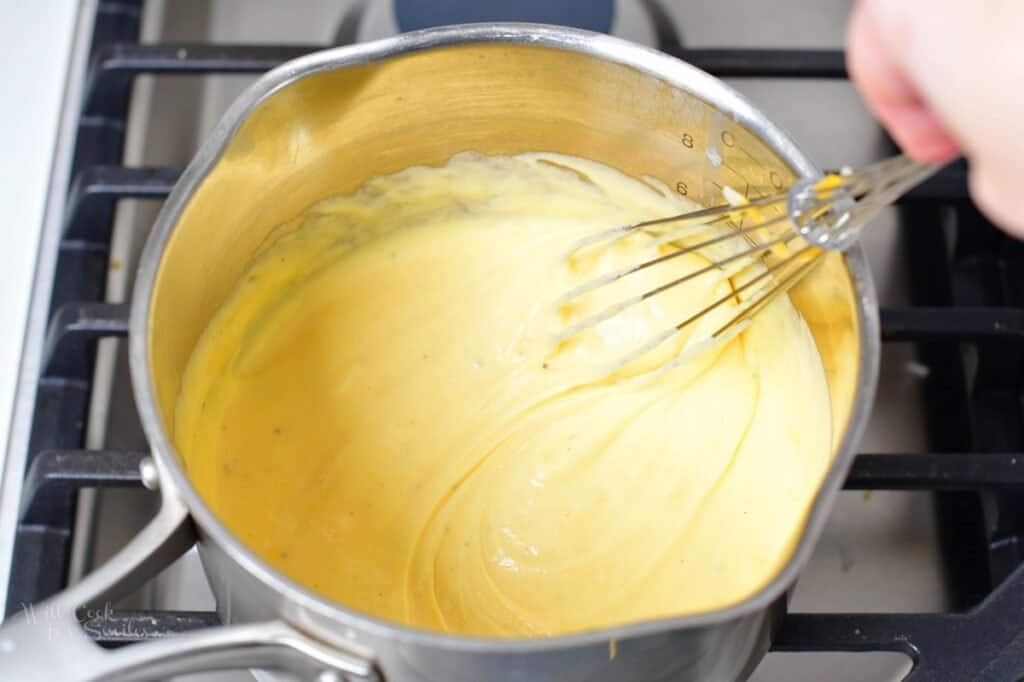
[[378, 412]]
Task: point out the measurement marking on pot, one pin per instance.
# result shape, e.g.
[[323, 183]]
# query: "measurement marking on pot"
[[758, 194], [749, 155], [736, 172]]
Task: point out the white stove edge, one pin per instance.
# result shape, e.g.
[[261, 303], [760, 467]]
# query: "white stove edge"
[[57, 58]]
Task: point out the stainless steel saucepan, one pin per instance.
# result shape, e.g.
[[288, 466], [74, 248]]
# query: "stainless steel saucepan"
[[322, 124]]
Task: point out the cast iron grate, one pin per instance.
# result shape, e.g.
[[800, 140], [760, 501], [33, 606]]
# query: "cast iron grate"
[[967, 293]]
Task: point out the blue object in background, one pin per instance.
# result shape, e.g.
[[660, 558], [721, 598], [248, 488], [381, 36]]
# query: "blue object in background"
[[593, 15]]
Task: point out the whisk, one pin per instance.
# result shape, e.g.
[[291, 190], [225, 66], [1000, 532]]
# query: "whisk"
[[815, 215]]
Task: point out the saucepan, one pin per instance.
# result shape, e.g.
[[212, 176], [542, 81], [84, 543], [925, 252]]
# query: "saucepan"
[[321, 125]]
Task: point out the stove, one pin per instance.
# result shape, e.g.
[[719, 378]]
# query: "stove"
[[919, 570]]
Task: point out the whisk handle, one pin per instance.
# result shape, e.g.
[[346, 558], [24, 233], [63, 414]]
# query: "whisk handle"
[[831, 211]]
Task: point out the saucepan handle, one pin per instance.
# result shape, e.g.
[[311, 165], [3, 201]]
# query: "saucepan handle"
[[46, 642]]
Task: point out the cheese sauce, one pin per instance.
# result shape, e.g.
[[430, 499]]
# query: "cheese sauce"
[[379, 412]]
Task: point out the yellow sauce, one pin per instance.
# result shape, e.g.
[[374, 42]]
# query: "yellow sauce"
[[379, 412]]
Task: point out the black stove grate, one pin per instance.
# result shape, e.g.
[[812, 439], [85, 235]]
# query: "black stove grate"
[[967, 298]]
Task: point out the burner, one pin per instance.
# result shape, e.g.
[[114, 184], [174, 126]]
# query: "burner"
[[636, 21], [592, 15]]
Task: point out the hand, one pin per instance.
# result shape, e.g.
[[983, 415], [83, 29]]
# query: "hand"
[[947, 77]]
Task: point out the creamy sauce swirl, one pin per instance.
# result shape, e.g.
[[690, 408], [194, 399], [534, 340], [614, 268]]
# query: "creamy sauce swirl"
[[378, 410]]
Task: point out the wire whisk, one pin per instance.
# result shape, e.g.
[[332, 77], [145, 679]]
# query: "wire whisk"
[[762, 257]]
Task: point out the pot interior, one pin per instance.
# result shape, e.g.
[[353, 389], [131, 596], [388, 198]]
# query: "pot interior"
[[326, 132]]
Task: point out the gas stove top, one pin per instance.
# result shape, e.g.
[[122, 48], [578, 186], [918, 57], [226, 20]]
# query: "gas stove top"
[[920, 565]]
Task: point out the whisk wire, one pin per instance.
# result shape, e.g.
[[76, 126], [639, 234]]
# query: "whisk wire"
[[787, 283], [700, 216], [768, 271], [824, 214], [620, 307], [619, 274], [760, 299]]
